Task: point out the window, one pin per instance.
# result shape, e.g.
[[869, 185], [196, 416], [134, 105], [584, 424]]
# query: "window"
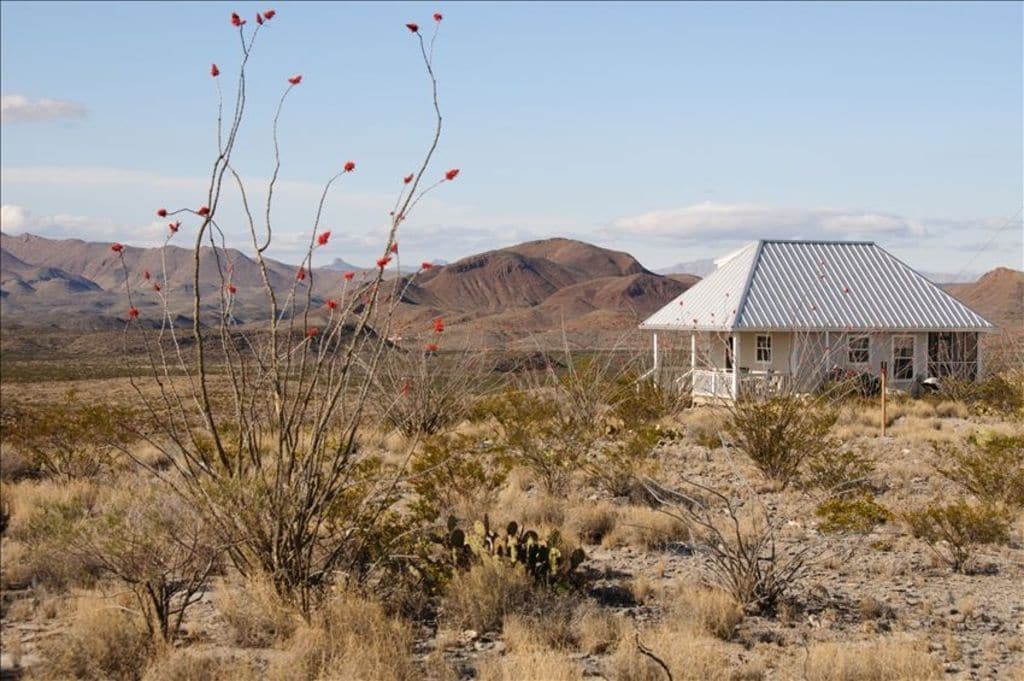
[[902, 358], [763, 347], [859, 350]]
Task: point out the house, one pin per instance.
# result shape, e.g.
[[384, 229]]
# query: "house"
[[778, 316]]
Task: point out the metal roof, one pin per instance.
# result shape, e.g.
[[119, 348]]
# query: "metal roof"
[[815, 286]]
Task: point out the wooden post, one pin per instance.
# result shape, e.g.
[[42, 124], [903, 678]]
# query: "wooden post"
[[882, 373]]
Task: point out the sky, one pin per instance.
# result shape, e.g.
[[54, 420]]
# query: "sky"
[[673, 131]]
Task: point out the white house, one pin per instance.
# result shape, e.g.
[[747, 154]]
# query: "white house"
[[783, 315]]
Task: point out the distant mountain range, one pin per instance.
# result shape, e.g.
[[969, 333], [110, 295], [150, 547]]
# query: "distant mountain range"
[[534, 290]]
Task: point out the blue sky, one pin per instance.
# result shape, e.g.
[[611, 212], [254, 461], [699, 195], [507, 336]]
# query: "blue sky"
[[673, 131]]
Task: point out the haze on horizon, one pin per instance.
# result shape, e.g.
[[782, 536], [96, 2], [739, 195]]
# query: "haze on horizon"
[[674, 132]]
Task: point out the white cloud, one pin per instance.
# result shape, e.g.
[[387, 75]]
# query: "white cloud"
[[758, 221], [21, 109], [16, 219]]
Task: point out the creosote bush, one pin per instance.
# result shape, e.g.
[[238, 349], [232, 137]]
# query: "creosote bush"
[[838, 469], [989, 467], [854, 513], [954, 530], [779, 433]]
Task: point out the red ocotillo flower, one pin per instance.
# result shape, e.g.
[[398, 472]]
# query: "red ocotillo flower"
[[296, 79], [269, 14], [407, 179], [332, 304], [232, 289], [259, 18], [425, 265], [156, 287], [312, 331], [413, 28], [301, 274], [438, 325], [162, 212], [145, 275], [133, 312], [349, 276], [214, 71], [323, 237], [237, 20], [451, 174], [174, 226], [116, 247], [437, 16], [350, 166], [394, 247], [430, 347], [203, 211], [383, 262]]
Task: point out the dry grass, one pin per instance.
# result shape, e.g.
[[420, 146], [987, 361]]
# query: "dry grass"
[[590, 523], [597, 631], [351, 637], [182, 664], [554, 628], [879, 660], [255, 614], [483, 596], [712, 611], [536, 664], [645, 528], [690, 656], [104, 641]]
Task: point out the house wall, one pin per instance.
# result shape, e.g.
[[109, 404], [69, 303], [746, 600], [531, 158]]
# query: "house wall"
[[816, 354]]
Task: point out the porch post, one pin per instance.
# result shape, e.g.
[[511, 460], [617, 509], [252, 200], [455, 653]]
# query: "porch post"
[[655, 337], [735, 365], [693, 351]]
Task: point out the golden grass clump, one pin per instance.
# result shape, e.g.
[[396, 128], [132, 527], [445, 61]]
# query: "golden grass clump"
[[712, 611], [350, 637], [645, 528], [483, 596], [597, 631], [590, 523], [690, 656], [256, 615], [104, 641], [878, 660], [181, 664], [535, 664]]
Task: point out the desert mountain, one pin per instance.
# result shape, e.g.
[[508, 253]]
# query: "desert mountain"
[[998, 296], [530, 288]]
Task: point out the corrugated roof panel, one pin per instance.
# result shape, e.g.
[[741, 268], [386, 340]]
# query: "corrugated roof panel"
[[817, 285], [711, 303]]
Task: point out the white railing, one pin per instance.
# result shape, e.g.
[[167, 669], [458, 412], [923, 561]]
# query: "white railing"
[[717, 383], [712, 383]]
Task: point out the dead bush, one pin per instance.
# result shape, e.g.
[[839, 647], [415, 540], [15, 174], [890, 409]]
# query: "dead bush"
[[954, 530], [878, 660], [350, 637], [104, 642], [255, 613], [990, 467], [779, 433], [481, 597]]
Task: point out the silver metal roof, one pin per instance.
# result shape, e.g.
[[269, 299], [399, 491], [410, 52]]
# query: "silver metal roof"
[[815, 286]]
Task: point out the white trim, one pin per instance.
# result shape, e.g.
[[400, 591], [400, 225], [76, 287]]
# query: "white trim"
[[757, 339]]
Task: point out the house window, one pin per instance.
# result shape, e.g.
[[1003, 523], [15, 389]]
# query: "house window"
[[859, 350], [902, 358], [763, 349]]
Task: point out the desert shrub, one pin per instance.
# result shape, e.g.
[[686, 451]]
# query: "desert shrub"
[[256, 615], [954, 530], [738, 545], [872, 661], [991, 468], [158, 546], [645, 401], [104, 642], [481, 597], [621, 459], [713, 611], [68, 439], [997, 393], [780, 433], [350, 637], [451, 469], [858, 513], [836, 469]]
